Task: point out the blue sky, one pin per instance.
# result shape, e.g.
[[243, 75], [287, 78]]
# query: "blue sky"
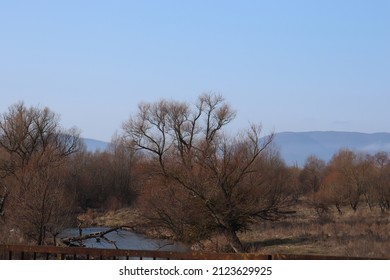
[[291, 65]]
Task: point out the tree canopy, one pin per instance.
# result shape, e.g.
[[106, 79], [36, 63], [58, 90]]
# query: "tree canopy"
[[204, 179]]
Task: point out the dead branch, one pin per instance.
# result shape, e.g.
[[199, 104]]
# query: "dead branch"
[[70, 241]]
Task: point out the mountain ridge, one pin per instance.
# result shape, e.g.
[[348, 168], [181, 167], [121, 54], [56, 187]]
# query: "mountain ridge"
[[296, 147], [93, 145]]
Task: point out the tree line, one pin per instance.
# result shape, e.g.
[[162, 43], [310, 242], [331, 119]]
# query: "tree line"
[[349, 180], [179, 164]]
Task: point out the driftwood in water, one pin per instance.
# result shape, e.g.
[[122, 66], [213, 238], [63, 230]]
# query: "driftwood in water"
[[72, 241]]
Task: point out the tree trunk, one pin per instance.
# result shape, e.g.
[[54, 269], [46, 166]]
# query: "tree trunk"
[[339, 209], [234, 241], [354, 205], [2, 201]]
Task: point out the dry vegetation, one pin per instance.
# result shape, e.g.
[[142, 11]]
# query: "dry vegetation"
[[174, 173], [129, 217], [364, 233]]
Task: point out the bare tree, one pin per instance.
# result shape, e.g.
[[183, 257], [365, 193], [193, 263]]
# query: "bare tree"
[[200, 168], [33, 148], [104, 179], [332, 191], [355, 175], [312, 174], [381, 178]]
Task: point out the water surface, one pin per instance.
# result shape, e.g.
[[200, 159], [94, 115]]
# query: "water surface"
[[124, 239]]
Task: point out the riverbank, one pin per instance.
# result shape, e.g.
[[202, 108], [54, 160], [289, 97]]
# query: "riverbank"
[[361, 233], [112, 218], [129, 218]]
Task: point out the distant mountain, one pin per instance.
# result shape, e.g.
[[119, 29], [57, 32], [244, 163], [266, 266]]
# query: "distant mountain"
[[93, 145], [296, 147]]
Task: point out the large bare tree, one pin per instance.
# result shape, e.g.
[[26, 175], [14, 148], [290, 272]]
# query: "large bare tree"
[[33, 148], [202, 178]]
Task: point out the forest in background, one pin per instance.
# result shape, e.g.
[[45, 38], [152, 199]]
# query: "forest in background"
[[189, 178]]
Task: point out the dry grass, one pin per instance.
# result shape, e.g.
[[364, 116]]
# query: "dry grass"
[[129, 217], [364, 233]]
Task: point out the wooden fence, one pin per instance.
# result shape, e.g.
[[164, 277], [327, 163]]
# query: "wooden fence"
[[22, 252]]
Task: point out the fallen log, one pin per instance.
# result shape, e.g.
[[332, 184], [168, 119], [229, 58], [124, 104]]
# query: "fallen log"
[[71, 241]]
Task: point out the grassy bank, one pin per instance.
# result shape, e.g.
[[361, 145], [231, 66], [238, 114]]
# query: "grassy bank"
[[364, 233]]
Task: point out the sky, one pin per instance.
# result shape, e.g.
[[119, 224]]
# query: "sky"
[[297, 65]]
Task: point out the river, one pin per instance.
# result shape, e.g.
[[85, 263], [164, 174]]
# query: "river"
[[125, 239]]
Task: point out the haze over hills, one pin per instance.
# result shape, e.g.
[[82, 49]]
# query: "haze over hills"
[[296, 147], [93, 145]]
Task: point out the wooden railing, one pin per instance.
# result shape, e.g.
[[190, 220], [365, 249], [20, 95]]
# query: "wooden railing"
[[22, 252]]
